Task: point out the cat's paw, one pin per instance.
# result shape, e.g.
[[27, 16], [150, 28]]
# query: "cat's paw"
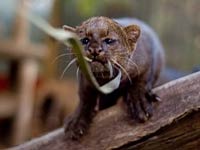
[[139, 107], [152, 97], [75, 128]]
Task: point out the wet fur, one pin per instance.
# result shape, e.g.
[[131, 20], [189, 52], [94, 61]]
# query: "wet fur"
[[137, 50]]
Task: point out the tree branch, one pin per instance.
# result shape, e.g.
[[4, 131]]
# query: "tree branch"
[[112, 129]]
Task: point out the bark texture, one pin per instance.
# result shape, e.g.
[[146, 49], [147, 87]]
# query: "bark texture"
[[175, 124]]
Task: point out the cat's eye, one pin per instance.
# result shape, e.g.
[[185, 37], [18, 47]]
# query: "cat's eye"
[[85, 41], [109, 41]]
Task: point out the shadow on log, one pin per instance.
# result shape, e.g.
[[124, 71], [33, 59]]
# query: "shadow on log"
[[174, 125]]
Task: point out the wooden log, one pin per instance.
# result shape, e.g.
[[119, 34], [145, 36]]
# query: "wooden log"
[[174, 125]]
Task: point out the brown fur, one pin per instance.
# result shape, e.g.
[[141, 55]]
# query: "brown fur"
[[138, 51]]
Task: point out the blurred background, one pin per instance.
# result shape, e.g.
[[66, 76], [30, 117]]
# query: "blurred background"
[[33, 97]]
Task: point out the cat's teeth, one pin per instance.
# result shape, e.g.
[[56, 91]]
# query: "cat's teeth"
[[109, 65], [88, 59]]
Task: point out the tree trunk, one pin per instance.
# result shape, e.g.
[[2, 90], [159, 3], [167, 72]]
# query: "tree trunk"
[[174, 125]]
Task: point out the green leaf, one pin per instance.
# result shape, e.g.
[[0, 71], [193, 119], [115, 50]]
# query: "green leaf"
[[71, 39]]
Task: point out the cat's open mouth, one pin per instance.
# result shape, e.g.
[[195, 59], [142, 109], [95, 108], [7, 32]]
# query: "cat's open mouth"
[[103, 70]]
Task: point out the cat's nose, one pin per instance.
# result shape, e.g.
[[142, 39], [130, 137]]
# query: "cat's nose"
[[95, 52]]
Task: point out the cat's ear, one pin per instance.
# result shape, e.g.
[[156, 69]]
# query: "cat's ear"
[[68, 28], [133, 32]]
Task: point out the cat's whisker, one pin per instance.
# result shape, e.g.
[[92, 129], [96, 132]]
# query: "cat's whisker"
[[62, 55], [87, 59], [121, 52], [131, 62], [135, 65], [77, 73], [123, 69], [67, 67], [110, 69]]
